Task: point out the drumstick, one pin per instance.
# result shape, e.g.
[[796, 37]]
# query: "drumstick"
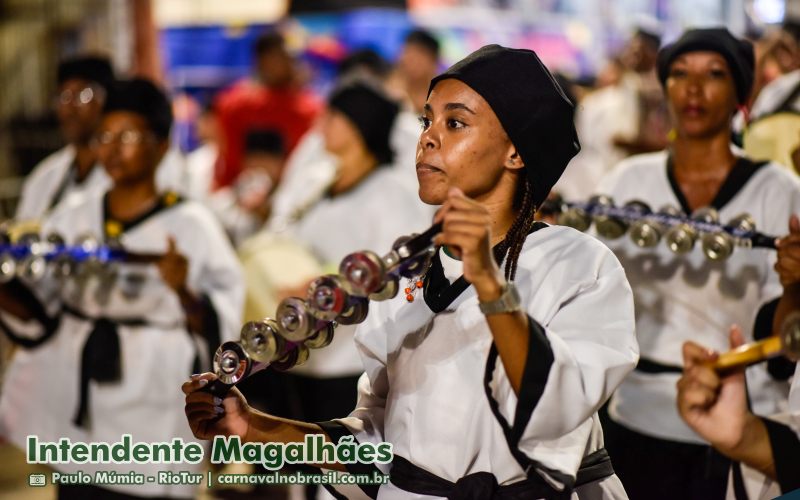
[[787, 343]]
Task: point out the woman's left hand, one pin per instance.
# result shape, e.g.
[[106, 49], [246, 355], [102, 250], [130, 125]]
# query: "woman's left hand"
[[173, 267], [788, 263], [466, 231]]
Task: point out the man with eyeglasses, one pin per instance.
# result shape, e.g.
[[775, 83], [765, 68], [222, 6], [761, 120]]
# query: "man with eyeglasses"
[[82, 86], [109, 343]]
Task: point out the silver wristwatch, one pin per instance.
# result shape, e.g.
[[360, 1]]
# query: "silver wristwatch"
[[508, 301]]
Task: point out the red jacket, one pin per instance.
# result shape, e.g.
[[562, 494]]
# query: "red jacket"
[[248, 105]]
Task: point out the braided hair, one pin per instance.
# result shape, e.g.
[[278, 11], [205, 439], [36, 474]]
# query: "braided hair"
[[511, 246]]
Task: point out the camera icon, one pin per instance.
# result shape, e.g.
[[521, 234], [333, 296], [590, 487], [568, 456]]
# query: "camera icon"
[[37, 480]]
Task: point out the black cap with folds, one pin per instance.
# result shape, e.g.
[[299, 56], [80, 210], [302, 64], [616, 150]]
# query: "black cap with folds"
[[372, 113], [143, 97], [532, 108], [738, 54]]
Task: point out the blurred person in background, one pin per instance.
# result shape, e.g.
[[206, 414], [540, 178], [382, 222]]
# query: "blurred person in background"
[[82, 86], [618, 120], [103, 341], [244, 206], [706, 75], [417, 65], [360, 206], [715, 405], [272, 99], [200, 162], [311, 168], [770, 129]]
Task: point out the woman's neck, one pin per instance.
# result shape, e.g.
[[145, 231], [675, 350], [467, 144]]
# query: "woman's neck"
[[129, 201], [358, 164], [499, 204], [703, 158], [85, 160]]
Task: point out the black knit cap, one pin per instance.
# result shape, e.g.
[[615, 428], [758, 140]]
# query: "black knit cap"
[[372, 113], [143, 97], [532, 108], [90, 68], [737, 53]]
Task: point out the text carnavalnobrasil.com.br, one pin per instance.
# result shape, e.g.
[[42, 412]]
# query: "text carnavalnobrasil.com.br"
[[111, 478]]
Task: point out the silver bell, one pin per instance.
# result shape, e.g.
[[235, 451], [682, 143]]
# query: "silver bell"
[[717, 245], [294, 320], [389, 291], [261, 341], [680, 238], [607, 226], [8, 267], [321, 339], [231, 363], [644, 232], [575, 217], [363, 272]]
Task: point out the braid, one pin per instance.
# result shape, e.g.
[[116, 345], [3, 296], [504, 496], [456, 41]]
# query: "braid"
[[522, 225]]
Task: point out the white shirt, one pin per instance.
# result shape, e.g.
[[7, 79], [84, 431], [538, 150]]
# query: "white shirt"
[[47, 178], [44, 182], [424, 388], [310, 170], [682, 298]]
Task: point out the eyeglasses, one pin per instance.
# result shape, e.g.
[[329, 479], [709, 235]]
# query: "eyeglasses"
[[126, 137], [79, 98]]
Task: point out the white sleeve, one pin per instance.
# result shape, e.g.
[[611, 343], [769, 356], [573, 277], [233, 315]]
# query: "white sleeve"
[[365, 423], [578, 358], [220, 282]]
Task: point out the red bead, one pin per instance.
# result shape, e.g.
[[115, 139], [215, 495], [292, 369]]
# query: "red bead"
[[419, 284], [410, 298], [408, 290]]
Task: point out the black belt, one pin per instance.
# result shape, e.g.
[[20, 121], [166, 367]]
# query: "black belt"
[[649, 366], [484, 486], [100, 358]]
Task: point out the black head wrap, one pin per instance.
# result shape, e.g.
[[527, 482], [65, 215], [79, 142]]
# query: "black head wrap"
[[372, 113], [143, 97], [531, 107], [737, 53], [90, 68]]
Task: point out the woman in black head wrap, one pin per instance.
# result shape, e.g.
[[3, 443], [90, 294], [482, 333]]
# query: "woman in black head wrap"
[[707, 74], [497, 134]]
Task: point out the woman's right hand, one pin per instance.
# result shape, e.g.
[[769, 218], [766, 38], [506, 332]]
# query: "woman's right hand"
[[714, 405], [209, 415]]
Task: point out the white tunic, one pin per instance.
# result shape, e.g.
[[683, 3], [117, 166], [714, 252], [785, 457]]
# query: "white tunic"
[[682, 298], [49, 177], [311, 169], [40, 393], [424, 390]]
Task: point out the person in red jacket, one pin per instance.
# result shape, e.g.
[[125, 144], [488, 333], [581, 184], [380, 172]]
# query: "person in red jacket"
[[272, 100]]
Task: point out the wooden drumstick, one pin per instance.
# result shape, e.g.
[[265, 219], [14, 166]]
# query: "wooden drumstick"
[[786, 344]]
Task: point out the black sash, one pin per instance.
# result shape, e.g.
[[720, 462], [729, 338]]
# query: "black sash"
[[100, 358], [484, 486]]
